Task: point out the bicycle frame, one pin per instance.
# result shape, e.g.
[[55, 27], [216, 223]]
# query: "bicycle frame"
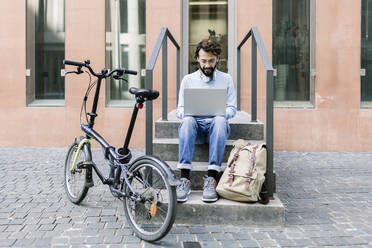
[[152, 175], [109, 152]]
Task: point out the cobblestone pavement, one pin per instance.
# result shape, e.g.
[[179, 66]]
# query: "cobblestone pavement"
[[327, 198]]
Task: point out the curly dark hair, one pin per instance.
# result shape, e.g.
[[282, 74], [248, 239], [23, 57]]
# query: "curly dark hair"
[[208, 45]]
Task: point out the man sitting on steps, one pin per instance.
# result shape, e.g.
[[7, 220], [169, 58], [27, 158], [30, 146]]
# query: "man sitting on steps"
[[210, 129]]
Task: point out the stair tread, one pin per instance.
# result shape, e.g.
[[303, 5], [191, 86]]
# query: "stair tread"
[[196, 166], [241, 117], [196, 198], [175, 141]]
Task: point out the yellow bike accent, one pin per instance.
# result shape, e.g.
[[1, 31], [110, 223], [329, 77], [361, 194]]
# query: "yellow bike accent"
[[85, 140]]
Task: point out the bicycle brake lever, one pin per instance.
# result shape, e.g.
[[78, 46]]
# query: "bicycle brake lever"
[[70, 72], [116, 77], [76, 72]]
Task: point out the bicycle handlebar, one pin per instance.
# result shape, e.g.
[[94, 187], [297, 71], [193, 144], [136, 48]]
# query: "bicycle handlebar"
[[69, 62], [126, 71], [119, 71]]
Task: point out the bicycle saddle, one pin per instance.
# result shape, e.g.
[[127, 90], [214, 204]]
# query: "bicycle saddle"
[[144, 94]]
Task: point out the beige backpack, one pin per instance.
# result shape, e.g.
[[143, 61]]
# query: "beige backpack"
[[245, 173]]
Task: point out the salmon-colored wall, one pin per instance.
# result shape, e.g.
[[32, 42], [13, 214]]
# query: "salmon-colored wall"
[[84, 39], [336, 123], [252, 13], [159, 14]]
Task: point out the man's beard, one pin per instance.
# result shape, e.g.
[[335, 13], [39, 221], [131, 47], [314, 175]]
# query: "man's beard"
[[208, 71]]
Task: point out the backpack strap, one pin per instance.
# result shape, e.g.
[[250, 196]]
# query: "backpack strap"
[[251, 167], [231, 165]]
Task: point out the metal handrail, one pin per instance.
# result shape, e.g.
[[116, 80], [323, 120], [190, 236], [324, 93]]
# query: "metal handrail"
[[161, 43], [257, 41]]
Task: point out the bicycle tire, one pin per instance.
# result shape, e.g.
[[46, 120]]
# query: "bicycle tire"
[[70, 177], [152, 207]]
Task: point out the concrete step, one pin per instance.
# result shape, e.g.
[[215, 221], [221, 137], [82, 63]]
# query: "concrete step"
[[226, 212], [241, 127], [167, 149], [199, 169]]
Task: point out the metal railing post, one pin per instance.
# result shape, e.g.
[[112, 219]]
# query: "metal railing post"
[[270, 132], [161, 43], [164, 59], [254, 81], [257, 42], [238, 88], [178, 74], [148, 114]]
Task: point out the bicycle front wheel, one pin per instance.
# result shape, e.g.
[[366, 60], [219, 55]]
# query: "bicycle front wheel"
[[75, 179], [153, 215]]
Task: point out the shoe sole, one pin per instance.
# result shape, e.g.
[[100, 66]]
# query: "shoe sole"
[[209, 200], [184, 199]]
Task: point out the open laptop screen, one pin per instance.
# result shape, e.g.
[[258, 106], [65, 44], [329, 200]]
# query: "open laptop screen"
[[204, 102]]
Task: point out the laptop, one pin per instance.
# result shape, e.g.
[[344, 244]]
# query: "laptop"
[[204, 102]]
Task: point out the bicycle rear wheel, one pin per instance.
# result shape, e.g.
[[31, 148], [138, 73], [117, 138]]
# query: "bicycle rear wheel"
[[153, 216], [75, 180]]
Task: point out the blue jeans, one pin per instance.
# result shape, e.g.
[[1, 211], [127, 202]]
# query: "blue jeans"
[[198, 130]]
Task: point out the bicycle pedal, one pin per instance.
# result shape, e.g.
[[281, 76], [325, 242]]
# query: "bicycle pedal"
[[109, 181], [89, 183], [84, 165]]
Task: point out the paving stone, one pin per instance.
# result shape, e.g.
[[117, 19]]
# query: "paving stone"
[[230, 243], [35, 235], [47, 227], [43, 242], [214, 229], [31, 220], [198, 229], [14, 228], [18, 235], [62, 220], [268, 243], [186, 237], [131, 239], [108, 212], [179, 229], [46, 221], [202, 237], [59, 240], [77, 240], [241, 236], [127, 231], [204, 244], [231, 229], [222, 236], [16, 221], [320, 210], [356, 241], [95, 225], [304, 242], [287, 243], [127, 246], [62, 227], [113, 225], [260, 236], [248, 243], [113, 239]]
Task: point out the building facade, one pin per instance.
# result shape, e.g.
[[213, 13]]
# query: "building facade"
[[319, 49]]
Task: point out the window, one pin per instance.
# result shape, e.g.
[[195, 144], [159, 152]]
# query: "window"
[[45, 52], [125, 47], [208, 19], [292, 46], [366, 52]]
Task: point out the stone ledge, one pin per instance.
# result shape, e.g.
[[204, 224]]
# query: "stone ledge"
[[226, 212]]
